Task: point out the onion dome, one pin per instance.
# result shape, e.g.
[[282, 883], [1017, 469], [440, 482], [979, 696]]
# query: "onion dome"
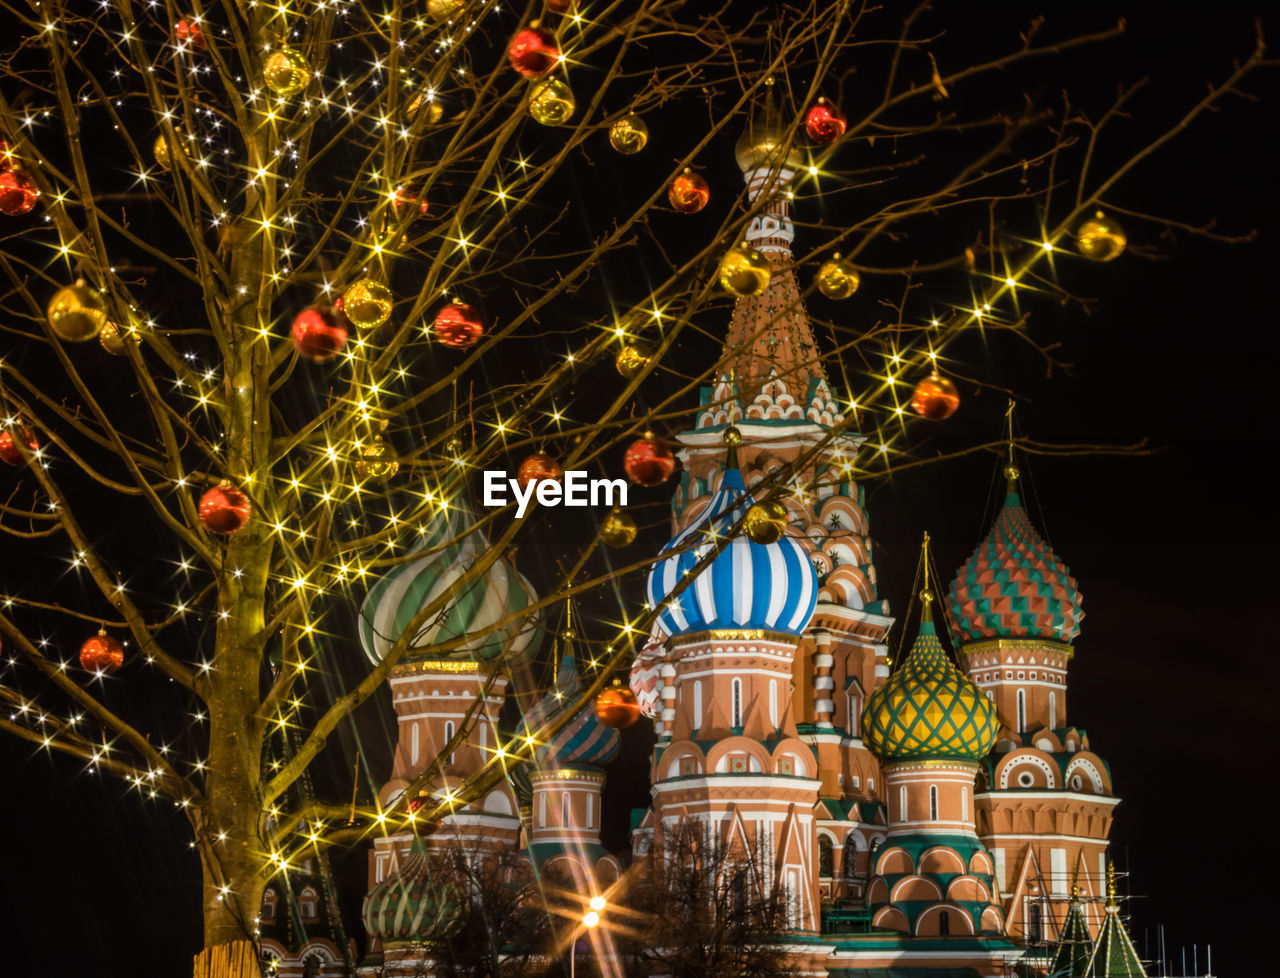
[[449, 549], [584, 739], [1014, 585], [760, 144], [749, 585], [927, 709], [415, 904]]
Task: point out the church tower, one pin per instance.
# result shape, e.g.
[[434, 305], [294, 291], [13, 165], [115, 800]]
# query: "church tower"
[[1045, 800]]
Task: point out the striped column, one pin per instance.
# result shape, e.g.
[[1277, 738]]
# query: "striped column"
[[824, 707]]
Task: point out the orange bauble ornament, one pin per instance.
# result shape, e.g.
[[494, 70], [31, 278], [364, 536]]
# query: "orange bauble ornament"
[[18, 193], [188, 32], [101, 653], [617, 707], [224, 509], [458, 326], [317, 335], [537, 467], [404, 196], [824, 123], [935, 398], [689, 193], [9, 448], [648, 461]]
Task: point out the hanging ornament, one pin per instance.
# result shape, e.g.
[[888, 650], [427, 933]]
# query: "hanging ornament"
[[367, 303], [405, 197], [286, 71], [550, 102], [744, 271], [115, 338], [618, 529], [377, 462], [617, 707], [648, 461], [458, 326], [1101, 238], [18, 193], [444, 9], [77, 313], [533, 51], [9, 450], [629, 135], [935, 398], [189, 32], [317, 334], [164, 158], [454, 446], [689, 193], [765, 522], [837, 278], [101, 653], [632, 358], [824, 123], [560, 6], [537, 467], [224, 508]]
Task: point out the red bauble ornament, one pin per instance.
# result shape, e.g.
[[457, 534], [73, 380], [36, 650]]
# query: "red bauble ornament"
[[533, 51], [18, 193], [9, 449], [648, 461], [101, 653], [189, 31], [824, 123], [688, 192], [560, 6], [405, 196], [458, 325], [617, 707], [317, 334], [935, 398], [537, 467], [224, 509]]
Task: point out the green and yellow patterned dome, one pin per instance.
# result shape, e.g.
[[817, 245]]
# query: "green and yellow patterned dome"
[[928, 710]]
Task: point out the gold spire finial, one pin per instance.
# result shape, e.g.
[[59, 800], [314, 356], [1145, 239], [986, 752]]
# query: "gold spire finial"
[[1112, 903], [926, 594], [732, 438]]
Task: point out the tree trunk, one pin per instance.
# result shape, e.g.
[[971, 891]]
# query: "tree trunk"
[[234, 960]]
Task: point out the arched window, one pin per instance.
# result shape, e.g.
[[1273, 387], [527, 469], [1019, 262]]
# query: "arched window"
[[311, 967], [1035, 929], [964, 804], [448, 736], [737, 703], [902, 803], [850, 856], [826, 858], [773, 703], [307, 905], [933, 802], [564, 809], [1022, 710], [944, 923], [413, 745], [855, 712], [1053, 710], [269, 899], [697, 705]]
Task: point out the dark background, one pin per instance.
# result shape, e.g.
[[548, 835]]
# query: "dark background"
[[1169, 676]]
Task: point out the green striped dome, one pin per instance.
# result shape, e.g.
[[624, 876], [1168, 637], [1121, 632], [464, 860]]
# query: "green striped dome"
[[415, 904], [927, 709], [448, 552]]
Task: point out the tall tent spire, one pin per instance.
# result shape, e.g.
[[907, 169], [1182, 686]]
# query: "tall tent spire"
[[1114, 956]]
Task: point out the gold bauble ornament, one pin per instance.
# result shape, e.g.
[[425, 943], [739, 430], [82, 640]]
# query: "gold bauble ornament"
[[618, 529], [1011, 473], [377, 461], [1101, 238], [744, 271], [77, 312], [732, 435], [926, 596], [837, 278], [765, 522], [161, 150], [629, 135], [367, 303], [632, 358], [286, 71], [435, 110], [115, 338], [550, 101], [444, 9]]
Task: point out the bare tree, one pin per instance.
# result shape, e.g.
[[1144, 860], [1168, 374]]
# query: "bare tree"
[[208, 174]]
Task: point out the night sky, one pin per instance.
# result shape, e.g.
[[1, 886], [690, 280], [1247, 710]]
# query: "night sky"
[[1167, 546]]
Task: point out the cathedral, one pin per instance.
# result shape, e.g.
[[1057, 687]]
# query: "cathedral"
[[940, 815]]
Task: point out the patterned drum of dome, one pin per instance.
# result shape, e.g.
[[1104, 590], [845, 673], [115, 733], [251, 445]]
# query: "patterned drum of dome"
[[1014, 586], [927, 709], [499, 594], [772, 586]]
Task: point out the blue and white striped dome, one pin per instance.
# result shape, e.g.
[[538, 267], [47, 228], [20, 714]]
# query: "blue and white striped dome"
[[449, 552], [584, 739], [749, 585]]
